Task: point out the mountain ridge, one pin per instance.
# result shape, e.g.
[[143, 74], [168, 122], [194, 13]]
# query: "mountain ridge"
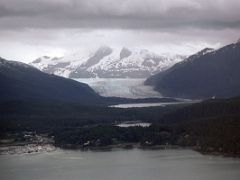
[[20, 81], [107, 62], [207, 74]]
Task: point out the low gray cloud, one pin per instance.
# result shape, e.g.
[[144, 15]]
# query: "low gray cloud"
[[129, 14], [30, 28]]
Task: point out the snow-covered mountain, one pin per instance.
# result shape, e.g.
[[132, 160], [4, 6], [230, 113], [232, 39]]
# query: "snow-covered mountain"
[[107, 62]]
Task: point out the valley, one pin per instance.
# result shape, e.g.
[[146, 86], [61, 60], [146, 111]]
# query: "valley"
[[119, 90], [86, 110]]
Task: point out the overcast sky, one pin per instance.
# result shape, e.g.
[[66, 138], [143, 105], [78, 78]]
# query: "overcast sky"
[[32, 28]]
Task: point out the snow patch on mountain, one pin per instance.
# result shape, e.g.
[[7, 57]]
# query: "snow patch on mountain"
[[107, 62]]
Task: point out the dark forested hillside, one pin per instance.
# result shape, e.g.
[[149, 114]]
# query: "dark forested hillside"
[[36, 115], [204, 75], [23, 82], [207, 109], [209, 126]]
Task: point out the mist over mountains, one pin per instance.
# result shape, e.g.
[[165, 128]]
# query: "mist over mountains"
[[108, 62]]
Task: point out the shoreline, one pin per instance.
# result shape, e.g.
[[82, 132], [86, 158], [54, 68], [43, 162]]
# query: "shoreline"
[[31, 148], [121, 146], [26, 149], [142, 147]]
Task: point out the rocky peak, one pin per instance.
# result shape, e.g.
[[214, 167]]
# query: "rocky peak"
[[125, 53], [205, 51]]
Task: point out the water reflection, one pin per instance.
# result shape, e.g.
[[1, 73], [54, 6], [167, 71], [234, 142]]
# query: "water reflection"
[[119, 164]]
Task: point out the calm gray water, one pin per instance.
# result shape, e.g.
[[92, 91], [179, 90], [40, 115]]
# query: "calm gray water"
[[141, 124], [163, 104], [119, 164]]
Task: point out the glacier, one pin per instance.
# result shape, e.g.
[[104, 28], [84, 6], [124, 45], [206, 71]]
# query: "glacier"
[[123, 87]]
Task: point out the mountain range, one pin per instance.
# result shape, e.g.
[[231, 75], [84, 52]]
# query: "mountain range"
[[107, 62], [34, 101], [22, 82], [207, 74]]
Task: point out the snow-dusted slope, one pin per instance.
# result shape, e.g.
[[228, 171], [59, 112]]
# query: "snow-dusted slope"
[[106, 62]]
